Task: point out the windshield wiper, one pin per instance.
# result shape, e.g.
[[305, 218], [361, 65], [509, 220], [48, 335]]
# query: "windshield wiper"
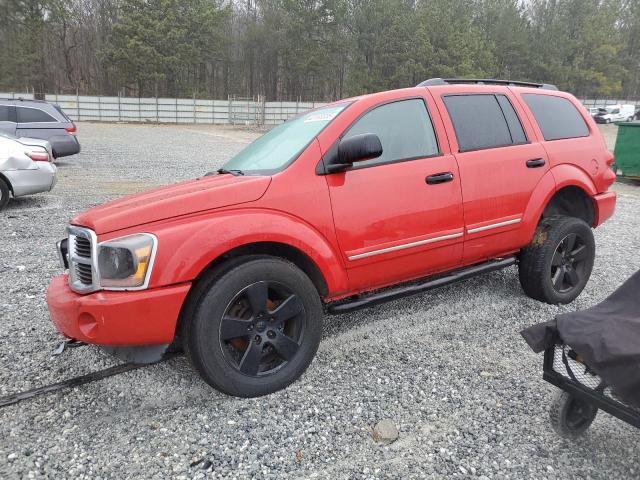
[[232, 171]]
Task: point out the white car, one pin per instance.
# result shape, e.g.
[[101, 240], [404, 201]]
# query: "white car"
[[26, 167], [615, 113]]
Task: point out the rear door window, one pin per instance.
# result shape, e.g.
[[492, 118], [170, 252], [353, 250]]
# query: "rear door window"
[[33, 115], [404, 129], [484, 121], [557, 117]]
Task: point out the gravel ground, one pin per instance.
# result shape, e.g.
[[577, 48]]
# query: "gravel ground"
[[448, 368]]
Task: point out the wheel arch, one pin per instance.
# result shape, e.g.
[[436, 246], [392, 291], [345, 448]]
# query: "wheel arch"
[[233, 257], [559, 186], [571, 201], [7, 182], [272, 249]]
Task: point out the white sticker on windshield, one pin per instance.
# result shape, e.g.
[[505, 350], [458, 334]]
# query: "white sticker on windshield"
[[321, 116]]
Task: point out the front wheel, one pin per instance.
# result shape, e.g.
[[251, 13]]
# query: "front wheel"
[[256, 328], [556, 265]]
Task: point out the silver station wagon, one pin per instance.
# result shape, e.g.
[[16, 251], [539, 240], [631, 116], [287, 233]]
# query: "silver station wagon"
[[39, 119]]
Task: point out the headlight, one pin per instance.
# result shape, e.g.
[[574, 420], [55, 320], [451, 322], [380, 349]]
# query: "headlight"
[[126, 262]]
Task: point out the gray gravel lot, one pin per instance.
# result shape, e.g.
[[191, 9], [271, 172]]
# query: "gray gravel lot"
[[449, 367]]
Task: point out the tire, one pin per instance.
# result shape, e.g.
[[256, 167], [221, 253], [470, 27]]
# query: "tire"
[[5, 194], [608, 121], [556, 265], [570, 416], [255, 327]]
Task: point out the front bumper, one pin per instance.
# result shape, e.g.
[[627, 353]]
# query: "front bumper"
[[145, 317], [32, 180], [605, 204]]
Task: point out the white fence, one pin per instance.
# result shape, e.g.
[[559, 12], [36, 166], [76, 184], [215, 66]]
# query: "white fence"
[[234, 111], [594, 102]]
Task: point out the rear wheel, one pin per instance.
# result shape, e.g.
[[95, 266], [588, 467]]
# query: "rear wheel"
[[256, 328], [5, 194], [570, 416], [556, 265]]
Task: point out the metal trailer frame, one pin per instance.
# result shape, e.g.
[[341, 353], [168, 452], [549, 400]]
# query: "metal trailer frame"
[[586, 394]]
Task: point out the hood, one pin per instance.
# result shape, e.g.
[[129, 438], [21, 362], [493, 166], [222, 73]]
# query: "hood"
[[192, 196]]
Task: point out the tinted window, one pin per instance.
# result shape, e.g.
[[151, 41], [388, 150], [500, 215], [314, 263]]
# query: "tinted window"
[[557, 117], [404, 128], [31, 115], [513, 122], [478, 121], [5, 113]]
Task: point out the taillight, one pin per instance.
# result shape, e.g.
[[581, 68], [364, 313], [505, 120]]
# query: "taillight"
[[610, 159], [37, 154], [71, 130]]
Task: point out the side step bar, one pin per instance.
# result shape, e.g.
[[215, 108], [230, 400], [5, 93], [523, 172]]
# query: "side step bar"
[[399, 292]]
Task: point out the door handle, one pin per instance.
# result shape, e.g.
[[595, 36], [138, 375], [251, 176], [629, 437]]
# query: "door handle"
[[439, 178], [535, 163]]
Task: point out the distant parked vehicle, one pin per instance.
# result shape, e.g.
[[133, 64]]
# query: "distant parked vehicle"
[[39, 119], [593, 111], [637, 115], [26, 167], [615, 113]]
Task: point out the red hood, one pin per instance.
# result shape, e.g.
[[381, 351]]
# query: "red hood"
[[192, 196]]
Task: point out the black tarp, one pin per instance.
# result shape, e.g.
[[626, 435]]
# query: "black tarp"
[[606, 336]]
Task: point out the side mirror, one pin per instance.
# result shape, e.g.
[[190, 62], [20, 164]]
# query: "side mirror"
[[354, 149]]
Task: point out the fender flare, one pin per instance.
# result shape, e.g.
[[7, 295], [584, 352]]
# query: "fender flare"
[[188, 247], [555, 179]]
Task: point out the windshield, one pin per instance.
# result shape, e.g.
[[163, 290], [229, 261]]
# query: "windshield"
[[279, 147]]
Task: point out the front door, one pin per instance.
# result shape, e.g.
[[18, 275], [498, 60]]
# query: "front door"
[[398, 216]]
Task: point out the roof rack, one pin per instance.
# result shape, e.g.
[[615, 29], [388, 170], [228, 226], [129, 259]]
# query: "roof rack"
[[485, 81]]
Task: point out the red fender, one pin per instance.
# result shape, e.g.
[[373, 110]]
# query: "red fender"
[[559, 177], [187, 246]]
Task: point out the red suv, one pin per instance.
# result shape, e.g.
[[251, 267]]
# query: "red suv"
[[354, 203]]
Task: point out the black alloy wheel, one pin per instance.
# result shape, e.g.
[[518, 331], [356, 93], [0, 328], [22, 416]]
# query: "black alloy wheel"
[[569, 263], [253, 325], [261, 328], [556, 265]]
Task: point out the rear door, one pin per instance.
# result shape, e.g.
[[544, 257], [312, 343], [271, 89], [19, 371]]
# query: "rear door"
[[500, 164], [399, 216], [7, 119]]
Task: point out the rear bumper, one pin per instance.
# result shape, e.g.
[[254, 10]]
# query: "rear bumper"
[[64, 145], [146, 317], [32, 180], [605, 205]]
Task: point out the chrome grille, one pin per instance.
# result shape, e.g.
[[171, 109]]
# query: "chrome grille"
[[82, 258], [83, 247], [83, 272]]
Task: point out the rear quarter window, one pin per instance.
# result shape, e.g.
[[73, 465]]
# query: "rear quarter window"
[[33, 115], [557, 117]]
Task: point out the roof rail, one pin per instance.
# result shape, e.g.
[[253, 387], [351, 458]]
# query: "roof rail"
[[22, 99], [485, 81]]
